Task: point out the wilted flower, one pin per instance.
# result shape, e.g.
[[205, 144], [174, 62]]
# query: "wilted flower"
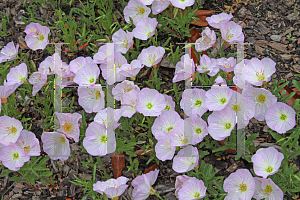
[[159, 5], [259, 71], [262, 99], [56, 145], [98, 141], [143, 185], [69, 124], [207, 40], [37, 79], [266, 161], [29, 143], [13, 157], [136, 10], [199, 128], [79, 63], [192, 189], [179, 181], [128, 103], [10, 129], [91, 98], [164, 148], [17, 75], [170, 103], [87, 75], [267, 189], [123, 39], [215, 20], [217, 98], [208, 64], [130, 70], [184, 69], [151, 55], [101, 56], [280, 117], [186, 159], [8, 52], [112, 187], [239, 185], [182, 3], [120, 89], [150, 102], [232, 32], [145, 28], [193, 101], [221, 123], [37, 36], [227, 64], [108, 117]]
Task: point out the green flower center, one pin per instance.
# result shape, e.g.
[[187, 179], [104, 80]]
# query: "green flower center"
[[62, 140], [261, 98], [22, 79], [236, 108], [283, 117], [198, 131], [196, 195], [149, 33], [13, 130], [261, 78], [269, 169], [222, 100], [98, 94], [198, 103], [16, 156], [268, 189], [227, 126], [40, 37], [169, 128], [92, 80], [243, 187], [167, 108], [103, 139], [27, 148], [149, 105], [141, 11]]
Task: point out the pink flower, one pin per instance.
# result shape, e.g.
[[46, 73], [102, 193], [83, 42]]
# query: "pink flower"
[[151, 55], [199, 128], [128, 103], [159, 5], [215, 20], [227, 64], [13, 157], [193, 101], [179, 182], [112, 187], [47, 66], [150, 102], [220, 81], [37, 79], [208, 64], [87, 75], [280, 117], [130, 70], [37, 36], [239, 185], [10, 130], [8, 52], [185, 68], [79, 63], [266, 161], [6, 91], [98, 141], [101, 56], [91, 98], [136, 10], [164, 148], [186, 159], [109, 117], [217, 98], [120, 89], [232, 32], [182, 134], [56, 145], [29, 143], [207, 40], [182, 3], [69, 124], [17, 75], [125, 38], [191, 189], [145, 28], [239, 78], [267, 189], [146, 2], [170, 103]]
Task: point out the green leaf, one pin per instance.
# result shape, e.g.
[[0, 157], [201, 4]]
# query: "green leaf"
[[15, 179], [48, 173]]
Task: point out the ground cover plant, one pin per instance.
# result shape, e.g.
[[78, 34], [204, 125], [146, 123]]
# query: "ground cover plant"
[[92, 94]]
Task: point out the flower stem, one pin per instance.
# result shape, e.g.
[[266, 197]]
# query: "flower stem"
[[156, 194]]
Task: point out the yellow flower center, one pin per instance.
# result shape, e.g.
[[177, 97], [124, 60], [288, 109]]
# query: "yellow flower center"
[[40, 37], [98, 94], [269, 169], [243, 187], [62, 140], [167, 108], [283, 117], [236, 108], [68, 127], [261, 98], [169, 128], [149, 105], [140, 10], [103, 139], [15, 156], [268, 189], [198, 103], [198, 131], [27, 148], [92, 80], [227, 126], [222, 100], [196, 195]]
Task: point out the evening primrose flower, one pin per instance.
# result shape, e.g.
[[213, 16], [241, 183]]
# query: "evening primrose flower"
[[37, 36], [47, 66], [196, 98], [69, 124], [6, 91], [121, 88], [239, 185], [182, 3], [232, 32], [113, 188], [150, 102], [199, 128], [108, 117], [151, 55], [262, 99], [184, 69], [136, 10], [87, 75], [226, 64], [128, 103], [145, 28], [29, 143], [182, 134], [17, 75], [259, 71], [164, 148], [266, 161], [280, 117], [101, 56], [159, 5], [37, 79], [186, 159], [13, 157], [8, 52], [56, 145], [221, 123], [267, 189], [146, 2], [98, 141], [215, 20], [79, 63], [219, 80], [10, 130], [142, 185], [170, 103], [130, 70], [207, 40], [91, 99], [192, 189], [208, 64], [217, 98], [123, 39], [179, 181]]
